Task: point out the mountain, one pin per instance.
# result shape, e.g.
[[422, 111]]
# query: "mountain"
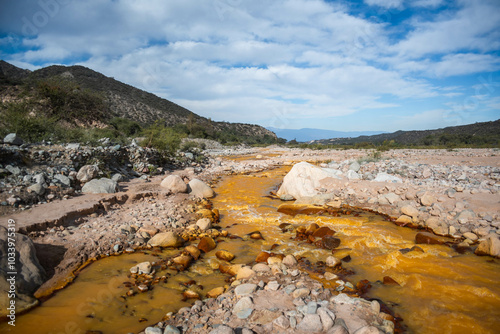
[[484, 132], [309, 134], [121, 100]]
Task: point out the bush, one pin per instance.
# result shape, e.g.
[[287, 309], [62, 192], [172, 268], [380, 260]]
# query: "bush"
[[162, 138]]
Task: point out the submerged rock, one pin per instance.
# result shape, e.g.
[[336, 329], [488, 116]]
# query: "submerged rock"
[[490, 245]]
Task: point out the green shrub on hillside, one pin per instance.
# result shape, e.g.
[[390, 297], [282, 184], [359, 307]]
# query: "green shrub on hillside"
[[163, 138]]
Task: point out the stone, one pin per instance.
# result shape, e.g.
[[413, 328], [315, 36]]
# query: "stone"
[[30, 274], [244, 273], [410, 211], [303, 179], [73, 146], [141, 268], [13, 139], [261, 268], [193, 251], [301, 292], [245, 289], [330, 276], [153, 330], [471, 236], [224, 255], [117, 177], [355, 167], [101, 186], [243, 308], [215, 292], [37, 188], [384, 177], [175, 184], [332, 261], [13, 170], [327, 318], [206, 244], [166, 239], [330, 242], [87, 173], [204, 224], [323, 231], [222, 329], [310, 323], [404, 219], [338, 329], [427, 238], [281, 322], [274, 260], [427, 200], [490, 245], [200, 189], [183, 260], [289, 260], [311, 307], [352, 175], [63, 179], [262, 257], [392, 198], [437, 226], [171, 330], [190, 294]]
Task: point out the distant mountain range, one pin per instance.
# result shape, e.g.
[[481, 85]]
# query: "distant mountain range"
[[309, 134]]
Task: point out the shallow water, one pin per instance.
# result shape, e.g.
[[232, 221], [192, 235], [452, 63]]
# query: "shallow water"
[[440, 290]]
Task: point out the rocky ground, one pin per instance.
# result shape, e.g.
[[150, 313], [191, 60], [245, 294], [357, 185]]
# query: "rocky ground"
[[453, 193]]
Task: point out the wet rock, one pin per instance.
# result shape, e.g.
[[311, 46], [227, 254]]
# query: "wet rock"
[[244, 273], [87, 173], [204, 224], [332, 261], [310, 323], [175, 184], [101, 186], [194, 251], [13, 139], [166, 239], [330, 242], [427, 238], [190, 294], [200, 189], [143, 288], [224, 255], [389, 281], [141, 268], [490, 245], [215, 292], [206, 244], [183, 260], [256, 235], [262, 257], [330, 276], [311, 229]]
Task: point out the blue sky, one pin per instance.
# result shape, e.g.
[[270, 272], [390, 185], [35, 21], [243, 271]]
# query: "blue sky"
[[382, 65]]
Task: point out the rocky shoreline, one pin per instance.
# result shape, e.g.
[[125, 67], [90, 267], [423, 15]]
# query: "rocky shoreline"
[[458, 196]]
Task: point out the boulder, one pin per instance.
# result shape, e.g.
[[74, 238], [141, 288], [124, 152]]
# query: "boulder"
[[427, 238], [330, 242], [101, 186], [63, 179], [427, 199], [224, 255], [166, 239], [352, 175], [206, 244], [355, 167], [37, 188], [409, 211], [200, 189], [13, 139], [204, 224], [384, 177], [175, 184], [87, 173], [303, 179], [30, 274], [490, 245], [311, 323]]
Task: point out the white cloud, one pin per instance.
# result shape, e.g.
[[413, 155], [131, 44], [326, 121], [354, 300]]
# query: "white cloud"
[[425, 3], [385, 3]]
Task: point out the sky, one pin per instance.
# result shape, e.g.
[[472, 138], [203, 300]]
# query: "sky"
[[381, 65]]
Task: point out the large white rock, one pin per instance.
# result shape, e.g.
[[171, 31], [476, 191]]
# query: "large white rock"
[[200, 189], [87, 173], [101, 186], [304, 178], [384, 177], [175, 184]]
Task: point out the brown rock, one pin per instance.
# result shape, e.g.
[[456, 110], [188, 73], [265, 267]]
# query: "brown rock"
[[194, 251], [166, 239], [311, 229], [322, 231], [427, 238], [490, 245], [190, 294], [330, 242], [262, 257], [256, 235], [224, 255], [389, 281], [216, 292], [206, 244], [183, 260]]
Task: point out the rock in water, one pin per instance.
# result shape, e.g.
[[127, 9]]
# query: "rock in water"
[[490, 245], [87, 173], [13, 139], [200, 189], [330, 242], [175, 184], [101, 186], [427, 238], [206, 244], [224, 255], [166, 239], [303, 179]]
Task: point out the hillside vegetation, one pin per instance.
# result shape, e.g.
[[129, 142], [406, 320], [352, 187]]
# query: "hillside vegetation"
[[60, 103]]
